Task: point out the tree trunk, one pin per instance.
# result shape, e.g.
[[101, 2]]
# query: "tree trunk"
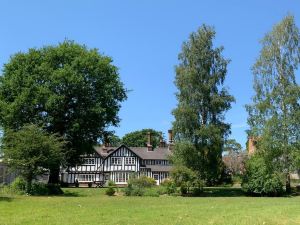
[[288, 183], [54, 176]]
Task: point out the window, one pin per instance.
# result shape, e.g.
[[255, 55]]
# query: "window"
[[129, 161], [116, 161], [122, 177], [89, 161], [86, 177]]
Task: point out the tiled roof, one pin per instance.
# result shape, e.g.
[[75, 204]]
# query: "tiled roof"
[[158, 153]]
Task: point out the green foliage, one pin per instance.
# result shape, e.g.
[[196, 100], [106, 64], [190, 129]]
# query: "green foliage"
[[111, 183], [152, 192], [31, 151], [142, 181], [139, 138], [231, 145], [37, 188], [274, 114], [260, 179], [170, 186], [67, 89], [137, 185], [110, 191], [18, 185], [187, 180], [202, 101]]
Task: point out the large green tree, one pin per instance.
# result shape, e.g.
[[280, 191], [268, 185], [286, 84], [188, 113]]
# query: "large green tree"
[[199, 127], [31, 151], [139, 138], [68, 89], [274, 115]]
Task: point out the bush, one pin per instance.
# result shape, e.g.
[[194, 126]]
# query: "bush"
[[39, 188], [18, 186], [169, 185], [183, 189], [90, 184], [111, 183], [152, 192], [110, 191], [137, 186], [259, 179], [142, 182]]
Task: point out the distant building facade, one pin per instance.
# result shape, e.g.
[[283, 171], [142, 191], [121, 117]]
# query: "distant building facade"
[[119, 163]]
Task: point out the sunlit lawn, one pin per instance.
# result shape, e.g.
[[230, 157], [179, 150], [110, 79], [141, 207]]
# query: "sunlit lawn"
[[91, 206]]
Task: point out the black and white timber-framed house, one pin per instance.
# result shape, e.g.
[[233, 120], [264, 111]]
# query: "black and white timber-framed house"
[[119, 163]]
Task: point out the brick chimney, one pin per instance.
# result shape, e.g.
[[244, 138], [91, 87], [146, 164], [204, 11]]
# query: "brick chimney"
[[162, 143], [149, 146], [105, 143], [171, 141]]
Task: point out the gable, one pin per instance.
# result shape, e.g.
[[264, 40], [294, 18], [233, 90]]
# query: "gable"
[[122, 151]]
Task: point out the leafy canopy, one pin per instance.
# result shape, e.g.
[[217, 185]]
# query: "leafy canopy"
[[202, 101], [68, 89], [139, 138], [31, 151], [274, 114]]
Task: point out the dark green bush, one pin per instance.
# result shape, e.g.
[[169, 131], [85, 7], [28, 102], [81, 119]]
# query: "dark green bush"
[[39, 189], [261, 180], [110, 191], [183, 189], [90, 184]]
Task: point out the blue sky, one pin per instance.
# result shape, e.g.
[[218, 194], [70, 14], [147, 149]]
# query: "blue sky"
[[144, 39]]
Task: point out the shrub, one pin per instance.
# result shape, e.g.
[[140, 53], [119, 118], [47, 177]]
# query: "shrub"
[[110, 191], [137, 186], [18, 186], [111, 183], [152, 192], [169, 185], [90, 184], [261, 180], [183, 189], [142, 181], [39, 188]]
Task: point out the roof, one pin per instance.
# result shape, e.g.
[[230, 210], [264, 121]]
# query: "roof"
[[157, 153], [161, 153], [159, 168]]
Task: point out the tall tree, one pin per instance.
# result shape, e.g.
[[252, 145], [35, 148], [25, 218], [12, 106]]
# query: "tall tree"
[[67, 89], [274, 115], [31, 151], [139, 138], [199, 127]]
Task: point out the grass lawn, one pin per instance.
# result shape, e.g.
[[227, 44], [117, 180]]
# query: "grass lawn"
[[91, 206]]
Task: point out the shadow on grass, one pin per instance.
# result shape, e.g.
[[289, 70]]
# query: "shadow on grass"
[[6, 199], [68, 193], [222, 192]]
